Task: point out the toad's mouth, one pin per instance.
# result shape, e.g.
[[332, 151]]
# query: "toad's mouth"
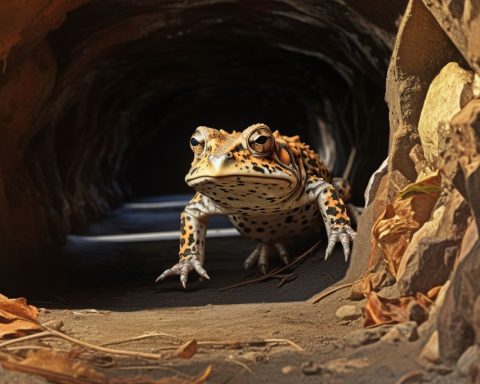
[[238, 180]]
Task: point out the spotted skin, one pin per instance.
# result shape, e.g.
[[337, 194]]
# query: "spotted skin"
[[273, 188]]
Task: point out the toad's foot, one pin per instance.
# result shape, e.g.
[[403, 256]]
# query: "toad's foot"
[[345, 234], [261, 254], [183, 268]]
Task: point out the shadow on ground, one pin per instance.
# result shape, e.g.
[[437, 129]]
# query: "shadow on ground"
[[121, 275]]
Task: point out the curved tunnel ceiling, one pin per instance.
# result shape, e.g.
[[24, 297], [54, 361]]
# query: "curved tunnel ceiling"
[[128, 81]]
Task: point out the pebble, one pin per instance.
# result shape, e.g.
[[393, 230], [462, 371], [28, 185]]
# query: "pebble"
[[288, 369], [310, 368], [431, 351], [401, 332], [348, 312], [365, 336]]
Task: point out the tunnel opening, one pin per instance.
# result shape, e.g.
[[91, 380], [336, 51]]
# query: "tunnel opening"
[[124, 84]]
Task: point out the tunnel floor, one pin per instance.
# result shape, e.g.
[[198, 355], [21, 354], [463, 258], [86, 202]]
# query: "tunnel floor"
[[105, 290]]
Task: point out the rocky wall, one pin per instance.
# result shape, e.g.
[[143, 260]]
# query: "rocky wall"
[[423, 230]]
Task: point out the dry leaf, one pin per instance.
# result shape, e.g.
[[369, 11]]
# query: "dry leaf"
[[186, 350], [433, 293], [60, 367], [395, 228], [56, 366], [384, 311], [17, 318]]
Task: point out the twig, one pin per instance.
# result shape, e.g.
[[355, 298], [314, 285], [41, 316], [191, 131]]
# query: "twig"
[[112, 351], [275, 272], [243, 365], [141, 337], [28, 347], [287, 279], [287, 341], [315, 300], [25, 338], [411, 377], [255, 343]]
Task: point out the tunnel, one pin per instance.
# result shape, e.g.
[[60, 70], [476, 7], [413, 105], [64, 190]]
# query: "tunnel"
[[114, 90]]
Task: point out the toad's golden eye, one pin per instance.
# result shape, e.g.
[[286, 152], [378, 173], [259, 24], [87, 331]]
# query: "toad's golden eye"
[[197, 143], [261, 141]]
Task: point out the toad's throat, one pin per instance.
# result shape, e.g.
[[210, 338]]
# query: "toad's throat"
[[242, 191]]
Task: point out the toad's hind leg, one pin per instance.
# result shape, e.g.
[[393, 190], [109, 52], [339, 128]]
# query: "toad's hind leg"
[[261, 254]]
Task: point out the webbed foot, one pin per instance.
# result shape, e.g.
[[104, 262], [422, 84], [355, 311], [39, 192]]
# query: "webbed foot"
[[183, 268]]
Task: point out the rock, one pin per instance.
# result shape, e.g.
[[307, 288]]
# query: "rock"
[[430, 351], [402, 332], [374, 182], [343, 365], [288, 369], [310, 368], [476, 86], [429, 258], [457, 319], [416, 312], [365, 336], [468, 358], [421, 50], [348, 312], [459, 20], [462, 160], [474, 373], [449, 91]]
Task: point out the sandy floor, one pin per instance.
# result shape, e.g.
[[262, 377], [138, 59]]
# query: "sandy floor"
[[117, 280]]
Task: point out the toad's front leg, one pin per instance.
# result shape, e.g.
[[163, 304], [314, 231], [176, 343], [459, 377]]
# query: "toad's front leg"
[[334, 212], [193, 228]]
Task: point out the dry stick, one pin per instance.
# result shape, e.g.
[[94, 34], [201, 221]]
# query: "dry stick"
[[141, 337], [257, 343], [316, 299], [112, 351], [243, 365], [25, 338], [274, 272]]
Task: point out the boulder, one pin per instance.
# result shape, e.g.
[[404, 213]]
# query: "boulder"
[[447, 94]]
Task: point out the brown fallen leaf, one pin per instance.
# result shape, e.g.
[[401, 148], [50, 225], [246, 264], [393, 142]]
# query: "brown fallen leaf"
[[380, 310], [17, 318], [186, 350], [433, 293], [394, 229], [62, 368], [56, 366]]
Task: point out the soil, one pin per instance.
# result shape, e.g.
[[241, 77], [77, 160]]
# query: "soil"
[[117, 280]]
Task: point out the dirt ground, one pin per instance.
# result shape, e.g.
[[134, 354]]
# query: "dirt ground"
[[105, 292]]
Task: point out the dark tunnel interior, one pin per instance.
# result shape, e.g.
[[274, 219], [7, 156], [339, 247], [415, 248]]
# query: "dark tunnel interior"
[[117, 88], [137, 81]]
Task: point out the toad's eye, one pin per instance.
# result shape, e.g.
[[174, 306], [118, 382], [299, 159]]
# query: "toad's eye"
[[261, 141], [197, 143]]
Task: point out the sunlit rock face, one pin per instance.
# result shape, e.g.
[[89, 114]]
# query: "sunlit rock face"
[[433, 95], [100, 97]]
